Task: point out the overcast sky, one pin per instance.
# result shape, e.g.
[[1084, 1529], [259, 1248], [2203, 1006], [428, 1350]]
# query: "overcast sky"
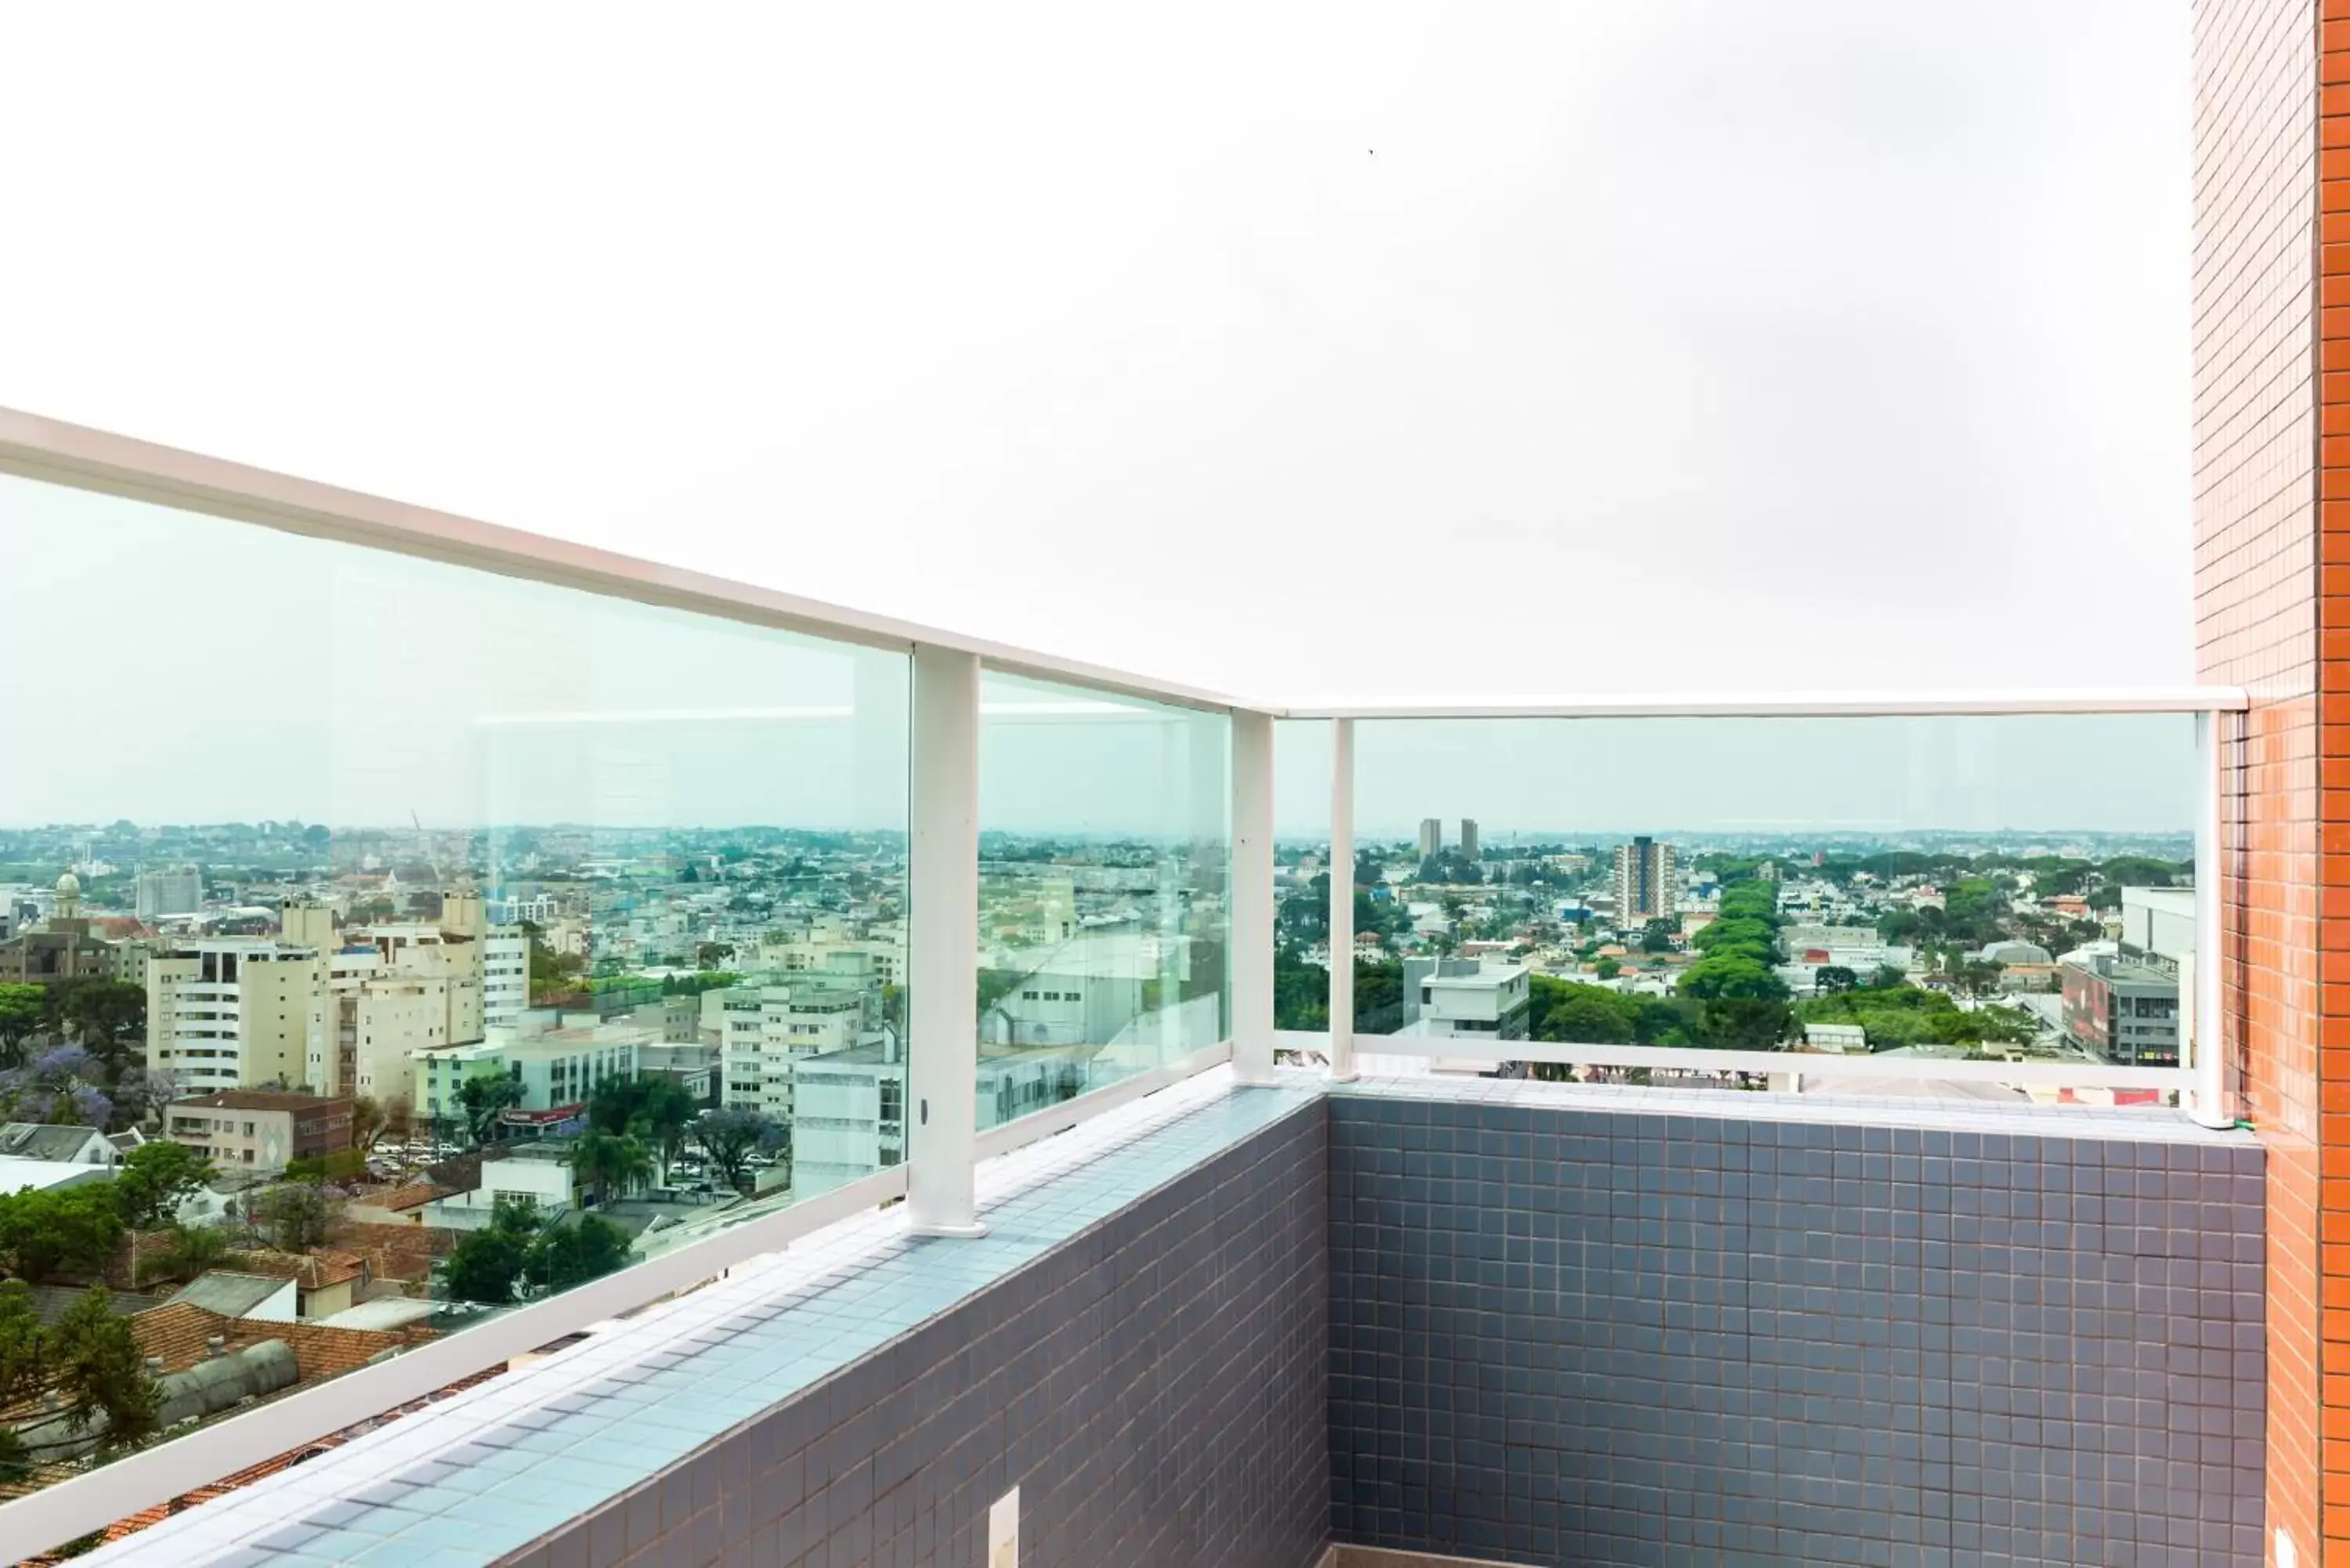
[[1425, 349], [1308, 350]]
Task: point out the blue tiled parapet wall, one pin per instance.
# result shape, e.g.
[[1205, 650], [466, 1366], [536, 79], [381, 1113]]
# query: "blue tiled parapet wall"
[[1138, 1343], [1531, 1323], [1689, 1330]]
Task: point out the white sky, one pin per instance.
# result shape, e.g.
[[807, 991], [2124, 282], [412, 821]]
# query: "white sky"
[[1361, 348]]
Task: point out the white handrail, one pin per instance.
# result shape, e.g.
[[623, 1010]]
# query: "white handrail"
[[92, 460], [1788, 704], [86, 458]]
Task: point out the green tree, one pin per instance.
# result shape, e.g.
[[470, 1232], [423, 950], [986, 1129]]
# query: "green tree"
[[23, 1011], [295, 1216], [73, 1229], [730, 1136], [99, 1368], [23, 1344], [1301, 991], [2141, 871], [1733, 974], [1831, 978], [614, 1164], [1588, 1018], [1738, 1022], [485, 1266], [341, 1164], [1608, 969], [484, 1099], [652, 1107], [192, 1250], [1657, 936], [24, 1368], [562, 1256], [155, 1178], [1898, 928], [366, 1122], [1378, 995]]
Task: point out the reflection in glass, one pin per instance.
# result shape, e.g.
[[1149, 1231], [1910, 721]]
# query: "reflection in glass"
[[1105, 847], [452, 940]]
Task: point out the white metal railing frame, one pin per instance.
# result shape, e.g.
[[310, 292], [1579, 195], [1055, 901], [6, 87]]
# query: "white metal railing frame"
[[942, 1143]]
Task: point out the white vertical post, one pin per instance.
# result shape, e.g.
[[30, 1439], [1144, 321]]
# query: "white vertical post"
[[1250, 937], [2209, 1023], [942, 947], [1342, 901]]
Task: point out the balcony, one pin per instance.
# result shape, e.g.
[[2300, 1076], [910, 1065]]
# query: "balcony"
[[1772, 1130]]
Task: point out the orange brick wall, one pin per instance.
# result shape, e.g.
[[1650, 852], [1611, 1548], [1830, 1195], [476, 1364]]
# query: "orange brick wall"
[[2259, 604]]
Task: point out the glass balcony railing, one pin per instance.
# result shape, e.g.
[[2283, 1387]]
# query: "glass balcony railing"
[[1104, 852], [431, 944], [452, 940], [1997, 905]]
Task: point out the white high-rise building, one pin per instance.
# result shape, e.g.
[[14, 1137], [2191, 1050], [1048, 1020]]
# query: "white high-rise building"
[[178, 890], [763, 1029], [236, 1012], [1645, 884], [505, 977], [1431, 835], [1468, 838]]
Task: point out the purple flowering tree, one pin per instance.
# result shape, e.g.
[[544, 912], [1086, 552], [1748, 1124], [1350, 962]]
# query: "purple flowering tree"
[[60, 1086]]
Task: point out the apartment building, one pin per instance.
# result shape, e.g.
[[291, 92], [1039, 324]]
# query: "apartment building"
[[396, 989], [224, 1013], [506, 976], [1455, 998], [255, 1129], [763, 1028], [1645, 883]]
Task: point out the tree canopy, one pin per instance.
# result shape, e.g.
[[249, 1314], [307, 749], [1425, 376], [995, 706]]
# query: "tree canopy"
[[155, 1178]]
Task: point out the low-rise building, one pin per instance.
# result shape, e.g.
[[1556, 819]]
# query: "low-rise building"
[[536, 1173], [62, 1145], [259, 1129], [1477, 999], [61, 949], [236, 1293], [848, 1118], [2121, 1010], [559, 1059], [1837, 1039]]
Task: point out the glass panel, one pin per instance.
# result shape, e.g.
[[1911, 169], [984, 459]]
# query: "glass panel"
[[1105, 847], [450, 938], [1966, 888]]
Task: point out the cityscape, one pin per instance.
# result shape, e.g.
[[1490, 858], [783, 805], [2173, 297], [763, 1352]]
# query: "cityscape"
[[2015, 946], [363, 1087], [371, 1084]]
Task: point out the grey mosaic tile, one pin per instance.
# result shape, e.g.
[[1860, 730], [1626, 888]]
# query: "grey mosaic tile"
[[1594, 1337]]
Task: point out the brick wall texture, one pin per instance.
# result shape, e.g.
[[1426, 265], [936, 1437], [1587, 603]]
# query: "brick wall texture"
[[1155, 1387], [2271, 361], [1590, 1339]]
